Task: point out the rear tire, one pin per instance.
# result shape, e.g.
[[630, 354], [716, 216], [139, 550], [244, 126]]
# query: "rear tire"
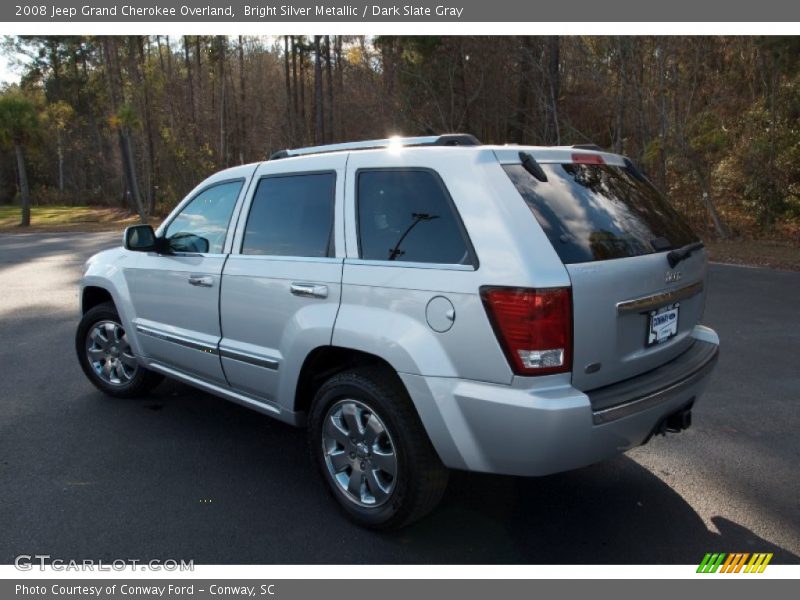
[[106, 357], [372, 450]]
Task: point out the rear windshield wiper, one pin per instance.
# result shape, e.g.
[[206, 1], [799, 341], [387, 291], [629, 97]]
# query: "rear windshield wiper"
[[531, 166], [679, 254]]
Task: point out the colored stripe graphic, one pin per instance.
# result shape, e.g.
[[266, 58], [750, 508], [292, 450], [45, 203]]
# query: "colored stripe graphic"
[[711, 562], [735, 562], [758, 563]]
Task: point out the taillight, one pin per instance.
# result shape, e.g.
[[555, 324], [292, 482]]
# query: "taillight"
[[584, 158], [534, 327]]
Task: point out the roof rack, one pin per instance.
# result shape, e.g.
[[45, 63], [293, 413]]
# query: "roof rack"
[[448, 139]]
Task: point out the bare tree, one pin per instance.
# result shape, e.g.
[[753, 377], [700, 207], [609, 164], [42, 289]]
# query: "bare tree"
[[123, 123], [290, 103], [319, 117], [518, 125], [329, 76], [554, 83]]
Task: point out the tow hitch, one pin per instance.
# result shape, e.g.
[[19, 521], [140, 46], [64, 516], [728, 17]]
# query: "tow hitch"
[[675, 422], [678, 421]]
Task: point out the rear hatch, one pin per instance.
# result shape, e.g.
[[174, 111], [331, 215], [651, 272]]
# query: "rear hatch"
[[613, 231]]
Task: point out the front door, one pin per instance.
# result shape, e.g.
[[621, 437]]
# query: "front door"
[[175, 296]]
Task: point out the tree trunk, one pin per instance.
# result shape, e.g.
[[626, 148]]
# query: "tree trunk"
[[24, 192], [319, 120], [127, 157], [60, 152], [390, 58], [169, 58], [290, 118], [160, 55], [243, 137], [518, 125], [339, 133], [295, 94], [137, 63], [722, 232], [302, 83], [223, 151], [329, 74], [705, 186], [554, 81], [464, 122], [114, 76], [622, 84], [198, 59], [190, 84], [662, 119]]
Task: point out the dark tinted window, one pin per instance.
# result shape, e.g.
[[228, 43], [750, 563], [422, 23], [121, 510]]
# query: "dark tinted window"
[[407, 216], [599, 212], [291, 216], [202, 224]]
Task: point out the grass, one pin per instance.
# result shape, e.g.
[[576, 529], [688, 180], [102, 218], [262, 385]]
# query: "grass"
[[67, 218]]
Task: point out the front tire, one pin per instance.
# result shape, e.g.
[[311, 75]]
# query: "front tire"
[[372, 450], [106, 356]]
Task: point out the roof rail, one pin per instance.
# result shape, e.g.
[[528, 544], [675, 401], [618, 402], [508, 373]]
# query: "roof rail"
[[587, 147], [448, 139]]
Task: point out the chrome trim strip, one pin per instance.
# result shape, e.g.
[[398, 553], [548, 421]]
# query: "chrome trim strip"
[[177, 339], [276, 258], [653, 399], [408, 265], [646, 303], [259, 404], [252, 359]]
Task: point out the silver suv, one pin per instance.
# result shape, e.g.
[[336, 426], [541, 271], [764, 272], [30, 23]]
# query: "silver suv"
[[421, 304]]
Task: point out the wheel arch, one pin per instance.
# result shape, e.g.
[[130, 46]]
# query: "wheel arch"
[[325, 361], [93, 295]]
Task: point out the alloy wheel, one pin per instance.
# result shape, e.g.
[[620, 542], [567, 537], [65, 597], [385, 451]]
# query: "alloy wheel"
[[359, 453], [110, 354]]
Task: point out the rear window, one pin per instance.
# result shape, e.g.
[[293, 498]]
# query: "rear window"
[[599, 212]]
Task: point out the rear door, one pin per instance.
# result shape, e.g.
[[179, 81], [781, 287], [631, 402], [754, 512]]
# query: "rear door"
[[613, 230], [281, 283]]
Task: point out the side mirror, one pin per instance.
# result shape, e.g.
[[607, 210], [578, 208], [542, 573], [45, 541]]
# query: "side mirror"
[[140, 238]]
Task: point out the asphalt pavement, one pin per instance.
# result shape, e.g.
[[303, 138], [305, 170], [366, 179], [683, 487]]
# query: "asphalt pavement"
[[183, 475]]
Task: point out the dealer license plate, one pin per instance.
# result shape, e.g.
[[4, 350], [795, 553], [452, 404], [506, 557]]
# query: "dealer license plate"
[[663, 324]]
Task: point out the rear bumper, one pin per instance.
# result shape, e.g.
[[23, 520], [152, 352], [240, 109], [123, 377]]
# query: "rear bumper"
[[503, 429]]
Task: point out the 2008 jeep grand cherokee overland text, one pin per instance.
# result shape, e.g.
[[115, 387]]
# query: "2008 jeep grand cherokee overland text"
[[421, 304]]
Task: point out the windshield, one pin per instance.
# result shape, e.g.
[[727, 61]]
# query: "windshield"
[[596, 212]]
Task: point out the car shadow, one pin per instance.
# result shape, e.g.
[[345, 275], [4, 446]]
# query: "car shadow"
[[615, 512], [182, 474]]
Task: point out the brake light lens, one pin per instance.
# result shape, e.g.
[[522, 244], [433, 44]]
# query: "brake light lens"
[[534, 327], [584, 158]]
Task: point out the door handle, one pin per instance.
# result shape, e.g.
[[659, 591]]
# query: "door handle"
[[201, 280], [309, 290]]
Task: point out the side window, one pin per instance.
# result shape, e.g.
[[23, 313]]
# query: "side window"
[[291, 215], [202, 224], [407, 215]]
